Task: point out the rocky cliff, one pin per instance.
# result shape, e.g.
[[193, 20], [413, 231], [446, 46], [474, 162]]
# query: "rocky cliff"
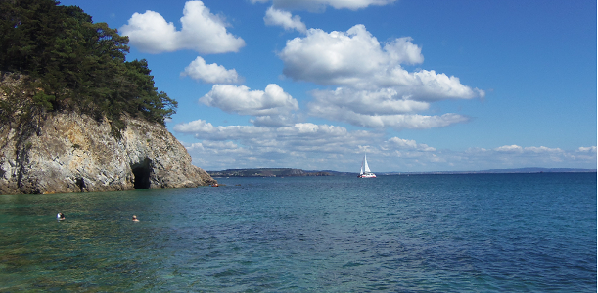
[[69, 152]]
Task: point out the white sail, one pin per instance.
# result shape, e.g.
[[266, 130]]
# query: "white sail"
[[365, 164], [361, 171]]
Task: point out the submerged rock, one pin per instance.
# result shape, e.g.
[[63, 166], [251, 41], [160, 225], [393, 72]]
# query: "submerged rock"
[[70, 152]]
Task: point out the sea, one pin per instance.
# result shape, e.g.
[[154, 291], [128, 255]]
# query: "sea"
[[417, 233]]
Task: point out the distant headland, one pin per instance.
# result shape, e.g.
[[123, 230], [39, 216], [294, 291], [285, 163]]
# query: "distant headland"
[[269, 172]]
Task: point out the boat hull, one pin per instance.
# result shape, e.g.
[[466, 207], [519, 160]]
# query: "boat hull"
[[367, 176]]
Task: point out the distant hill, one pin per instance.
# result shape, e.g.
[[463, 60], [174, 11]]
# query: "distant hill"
[[267, 172]]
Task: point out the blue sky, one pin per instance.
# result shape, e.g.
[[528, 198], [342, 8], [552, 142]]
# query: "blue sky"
[[418, 85]]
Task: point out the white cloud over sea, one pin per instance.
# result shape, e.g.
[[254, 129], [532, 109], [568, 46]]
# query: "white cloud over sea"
[[201, 31], [373, 89], [355, 58], [376, 109], [277, 17], [213, 73], [272, 106], [310, 146]]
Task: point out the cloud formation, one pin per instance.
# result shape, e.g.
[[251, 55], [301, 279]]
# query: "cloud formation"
[[311, 146], [290, 135], [591, 149], [376, 109], [272, 105], [320, 5], [275, 146], [211, 73], [334, 112], [385, 101], [285, 19], [201, 31], [374, 89], [356, 58], [408, 144], [353, 58]]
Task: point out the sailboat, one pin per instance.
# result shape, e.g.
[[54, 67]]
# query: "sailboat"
[[365, 169]]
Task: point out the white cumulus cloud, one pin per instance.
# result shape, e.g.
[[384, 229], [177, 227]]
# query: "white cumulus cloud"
[[201, 31], [386, 101], [273, 105], [401, 143], [376, 109], [285, 19], [339, 58], [288, 138], [374, 90], [542, 149], [400, 120], [274, 120], [591, 149], [509, 148], [211, 73], [355, 58]]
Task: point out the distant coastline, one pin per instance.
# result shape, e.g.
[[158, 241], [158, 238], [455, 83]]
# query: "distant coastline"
[[292, 172], [268, 172]]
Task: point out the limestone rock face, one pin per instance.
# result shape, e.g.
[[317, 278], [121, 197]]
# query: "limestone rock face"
[[74, 153]]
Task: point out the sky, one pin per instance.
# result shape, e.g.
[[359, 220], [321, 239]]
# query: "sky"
[[418, 86]]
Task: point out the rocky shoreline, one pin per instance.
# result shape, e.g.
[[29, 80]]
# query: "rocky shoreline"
[[70, 152]]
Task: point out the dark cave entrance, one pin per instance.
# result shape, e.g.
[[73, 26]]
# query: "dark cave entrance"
[[141, 174], [80, 182]]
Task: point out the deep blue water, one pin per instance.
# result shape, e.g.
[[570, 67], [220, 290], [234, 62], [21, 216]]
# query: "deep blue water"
[[419, 233]]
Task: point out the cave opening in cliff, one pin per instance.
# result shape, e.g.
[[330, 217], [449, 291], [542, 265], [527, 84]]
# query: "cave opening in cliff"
[[141, 174]]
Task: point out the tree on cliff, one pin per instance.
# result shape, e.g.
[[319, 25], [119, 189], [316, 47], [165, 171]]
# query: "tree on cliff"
[[73, 64]]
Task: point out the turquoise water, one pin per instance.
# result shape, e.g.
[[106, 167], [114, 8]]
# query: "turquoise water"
[[419, 233]]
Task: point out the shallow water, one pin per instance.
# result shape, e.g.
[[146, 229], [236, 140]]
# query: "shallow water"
[[419, 233]]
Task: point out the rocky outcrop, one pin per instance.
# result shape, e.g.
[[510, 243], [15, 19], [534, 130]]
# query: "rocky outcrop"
[[70, 152]]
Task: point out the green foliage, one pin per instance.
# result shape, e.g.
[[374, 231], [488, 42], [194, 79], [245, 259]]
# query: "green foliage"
[[75, 64], [45, 101]]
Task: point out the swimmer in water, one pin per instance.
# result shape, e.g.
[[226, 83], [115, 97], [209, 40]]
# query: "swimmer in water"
[[135, 219], [60, 217]]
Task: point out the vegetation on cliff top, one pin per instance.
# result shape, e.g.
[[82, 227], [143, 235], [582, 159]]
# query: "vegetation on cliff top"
[[65, 62]]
